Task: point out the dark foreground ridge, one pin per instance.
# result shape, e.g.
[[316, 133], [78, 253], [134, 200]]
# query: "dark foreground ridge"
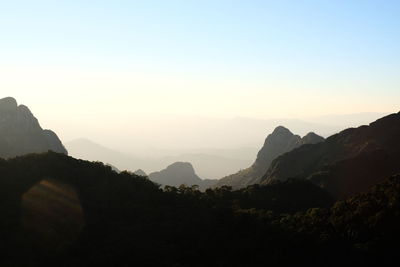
[[130, 221]]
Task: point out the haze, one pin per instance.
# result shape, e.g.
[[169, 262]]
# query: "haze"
[[159, 78]]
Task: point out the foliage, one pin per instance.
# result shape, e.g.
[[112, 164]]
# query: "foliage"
[[130, 220]]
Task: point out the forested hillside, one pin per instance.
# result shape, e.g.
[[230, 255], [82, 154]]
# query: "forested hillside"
[[131, 221]]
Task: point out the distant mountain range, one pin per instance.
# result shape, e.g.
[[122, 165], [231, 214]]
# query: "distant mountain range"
[[20, 132], [168, 135], [360, 153], [280, 141], [295, 203], [206, 165]]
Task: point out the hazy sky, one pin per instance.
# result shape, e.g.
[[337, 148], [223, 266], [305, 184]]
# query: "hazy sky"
[[95, 63]]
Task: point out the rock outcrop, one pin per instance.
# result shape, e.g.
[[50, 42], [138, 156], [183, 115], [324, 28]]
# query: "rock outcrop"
[[20, 132], [280, 141]]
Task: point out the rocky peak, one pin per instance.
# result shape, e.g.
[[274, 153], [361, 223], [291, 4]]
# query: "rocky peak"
[[13, 116], [184, 168], [8, 104], [279, 141], [176, 174], [20, 131], [281, 131]]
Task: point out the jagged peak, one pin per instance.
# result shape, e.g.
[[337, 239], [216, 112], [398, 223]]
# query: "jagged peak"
[[8, 103], [281, 130], [22, 133]]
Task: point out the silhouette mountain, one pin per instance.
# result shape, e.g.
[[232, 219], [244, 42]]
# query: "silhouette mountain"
[[346, 163], [179, 173], [280, 141], [20, 132]]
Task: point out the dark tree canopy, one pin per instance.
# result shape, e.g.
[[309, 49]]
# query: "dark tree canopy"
[[132, 221]]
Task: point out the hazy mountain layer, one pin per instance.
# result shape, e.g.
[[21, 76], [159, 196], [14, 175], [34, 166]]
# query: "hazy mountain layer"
[[20, 132], [205, 135], [280, 141], [206, 165]]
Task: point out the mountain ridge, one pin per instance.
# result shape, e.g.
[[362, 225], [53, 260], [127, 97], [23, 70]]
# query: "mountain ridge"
[[21, 133], [372, 149], [280, 141]]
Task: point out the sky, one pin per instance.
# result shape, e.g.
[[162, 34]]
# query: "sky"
[[86, 67]]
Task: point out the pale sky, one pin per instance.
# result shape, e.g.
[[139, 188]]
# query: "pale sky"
[[86, 67]]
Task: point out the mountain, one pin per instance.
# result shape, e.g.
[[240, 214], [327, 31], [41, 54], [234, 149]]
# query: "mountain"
[[180, 173], [85, 149], [20, 132], [280, 141], [207, 164], [346, 163]]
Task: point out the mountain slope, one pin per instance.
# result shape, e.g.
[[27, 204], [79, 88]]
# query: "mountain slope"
[[20, 132], [280, 141], [88, 150], [346, 163]]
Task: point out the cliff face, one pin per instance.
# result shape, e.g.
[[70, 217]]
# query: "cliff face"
[[346, 163], [280, 141], [20, 132]]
